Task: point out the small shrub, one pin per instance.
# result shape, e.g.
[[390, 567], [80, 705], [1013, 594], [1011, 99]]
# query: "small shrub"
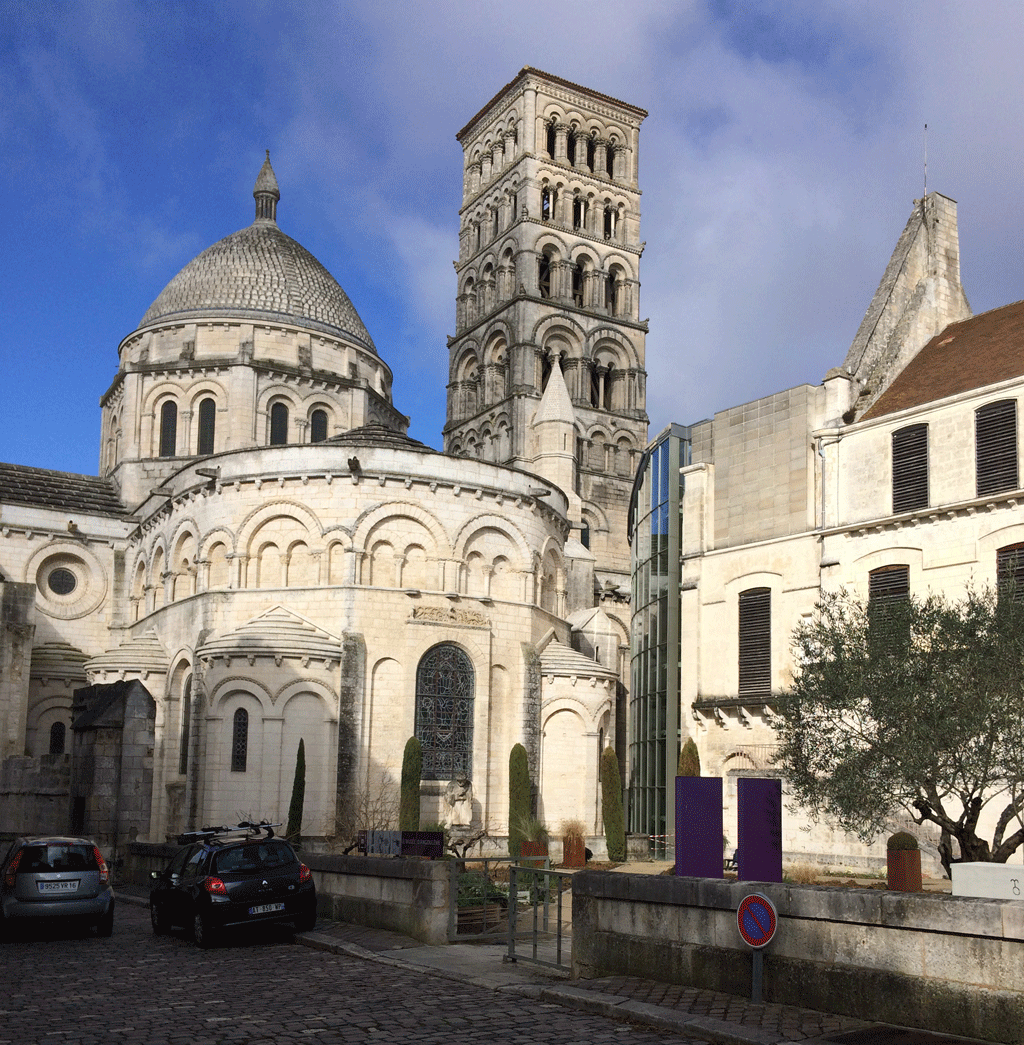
[[519, 812], [901, 840], [574, 829], [611, 801], [412, 771], [801, 874], [689, 759]]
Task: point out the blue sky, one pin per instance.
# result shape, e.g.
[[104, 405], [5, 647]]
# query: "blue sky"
[[779, 163]]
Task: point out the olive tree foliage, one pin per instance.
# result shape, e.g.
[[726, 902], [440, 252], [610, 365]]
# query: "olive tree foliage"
[[911, 708]]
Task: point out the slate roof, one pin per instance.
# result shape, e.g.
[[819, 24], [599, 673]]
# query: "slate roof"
[[559, 659], [973, 353], [376, 434], [65, 491]]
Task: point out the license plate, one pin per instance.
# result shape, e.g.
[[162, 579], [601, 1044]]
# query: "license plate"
[[58, 887], [267, 908]]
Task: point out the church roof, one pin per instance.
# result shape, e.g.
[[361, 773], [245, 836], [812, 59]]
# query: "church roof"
[[275, 633], [66, 491], [376, 434], [259, 273], [973, 353], [559, 659], [140, 655]]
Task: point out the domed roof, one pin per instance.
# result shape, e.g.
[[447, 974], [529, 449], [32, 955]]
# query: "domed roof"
[[259, 273]]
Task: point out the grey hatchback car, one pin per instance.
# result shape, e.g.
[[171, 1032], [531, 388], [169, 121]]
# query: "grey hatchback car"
[[56, 877]]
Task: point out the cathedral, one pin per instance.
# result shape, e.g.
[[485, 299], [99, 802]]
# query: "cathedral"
[[266, 557]]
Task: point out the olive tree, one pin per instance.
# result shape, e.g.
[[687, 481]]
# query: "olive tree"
[[912, 707]]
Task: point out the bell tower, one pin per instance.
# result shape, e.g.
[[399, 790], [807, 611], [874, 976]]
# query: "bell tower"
[[548, 282]]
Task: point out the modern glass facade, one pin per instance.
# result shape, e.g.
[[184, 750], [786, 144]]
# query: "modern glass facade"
[[654, 524]]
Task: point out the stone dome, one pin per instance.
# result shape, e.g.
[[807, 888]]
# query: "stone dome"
[[259, 273]]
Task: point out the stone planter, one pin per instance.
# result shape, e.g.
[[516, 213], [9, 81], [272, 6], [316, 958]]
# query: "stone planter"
[[903, 867]]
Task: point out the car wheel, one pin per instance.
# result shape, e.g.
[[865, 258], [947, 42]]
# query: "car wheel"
[[158, 918], [105, 926], [201, 931], [306, 922]]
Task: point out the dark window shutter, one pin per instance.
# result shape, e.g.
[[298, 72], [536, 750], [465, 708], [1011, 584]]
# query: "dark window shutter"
[[889, 584], [1010, 571], [995, 443], [910, 469], [318, 426], [168, 428], [207, 423], [755, 641], [278, 424]]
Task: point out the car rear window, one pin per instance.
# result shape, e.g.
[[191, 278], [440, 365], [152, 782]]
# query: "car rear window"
[[257, 856], [41, 859]]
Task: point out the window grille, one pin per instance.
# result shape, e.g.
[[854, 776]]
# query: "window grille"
[[910, 469], [58, 736], [168, 428], [995, 442], [207, 425], [755, 643], [444, 712], [239, 741], [278, 424]]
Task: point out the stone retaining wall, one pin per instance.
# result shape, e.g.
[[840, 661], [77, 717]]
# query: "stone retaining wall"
[[945, 963]]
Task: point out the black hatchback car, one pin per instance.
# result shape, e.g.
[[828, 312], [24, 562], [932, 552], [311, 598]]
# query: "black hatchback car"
[[226, 877]]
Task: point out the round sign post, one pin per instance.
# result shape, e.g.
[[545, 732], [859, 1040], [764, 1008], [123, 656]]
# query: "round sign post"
[[757, 921]]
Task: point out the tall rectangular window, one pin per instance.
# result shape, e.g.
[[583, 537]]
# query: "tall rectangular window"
[[1010, 571], [910, 469], [995, 446], [755, 643], [888, 603]]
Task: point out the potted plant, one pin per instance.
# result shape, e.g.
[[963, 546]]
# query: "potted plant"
[[535, 842], [903, 863], [574, 843]]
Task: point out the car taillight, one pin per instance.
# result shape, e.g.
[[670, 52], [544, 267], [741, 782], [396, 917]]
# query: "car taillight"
[[13, 870], [304, 873], [215, 886], [101, 864]]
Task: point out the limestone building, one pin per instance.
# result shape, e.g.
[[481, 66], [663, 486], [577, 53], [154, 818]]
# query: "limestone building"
[[896, 474], [266, 556]]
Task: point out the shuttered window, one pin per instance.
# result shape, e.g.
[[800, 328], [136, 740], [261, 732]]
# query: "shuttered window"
[[995, 446], [889, 584], [910, 469], [1010, 571], [755, 641]]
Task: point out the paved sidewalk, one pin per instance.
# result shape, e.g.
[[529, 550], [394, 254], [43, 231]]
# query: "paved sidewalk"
[[686, 1011]]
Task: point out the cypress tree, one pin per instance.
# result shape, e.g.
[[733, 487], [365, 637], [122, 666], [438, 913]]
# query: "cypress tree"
[[611, 802], [518, 798], [689, 760], [294, 829], [412, 771]]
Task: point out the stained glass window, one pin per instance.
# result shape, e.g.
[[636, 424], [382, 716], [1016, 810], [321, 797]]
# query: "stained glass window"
[[444, 712]]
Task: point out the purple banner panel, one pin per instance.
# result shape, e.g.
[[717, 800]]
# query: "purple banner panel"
[[759, 824], [699, 826]]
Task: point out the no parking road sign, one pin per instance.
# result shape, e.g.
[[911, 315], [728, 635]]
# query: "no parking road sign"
[[757, 920]]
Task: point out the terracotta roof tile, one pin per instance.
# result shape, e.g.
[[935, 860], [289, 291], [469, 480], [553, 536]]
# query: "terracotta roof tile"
[[973, 353]]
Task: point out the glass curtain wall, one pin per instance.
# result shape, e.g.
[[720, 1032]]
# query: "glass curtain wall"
[[654, 524]]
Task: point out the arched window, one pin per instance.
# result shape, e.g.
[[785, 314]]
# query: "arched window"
[[278, 424], [207, 424], [186, 722], [318, 426], [579, 212], [58, 734], [444, 712], [544, 276], [545, 204], [239, 740], [551, 138], [168, 428], [577, 285]]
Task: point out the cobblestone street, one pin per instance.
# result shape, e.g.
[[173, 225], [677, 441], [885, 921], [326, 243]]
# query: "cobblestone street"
[[139, 988]]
